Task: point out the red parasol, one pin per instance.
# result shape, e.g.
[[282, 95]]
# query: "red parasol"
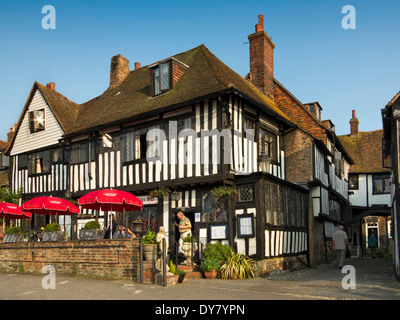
[[12, 211], [50, 206], [110, 200]]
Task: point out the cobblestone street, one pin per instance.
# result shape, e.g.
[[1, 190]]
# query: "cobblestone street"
[[374, 281]]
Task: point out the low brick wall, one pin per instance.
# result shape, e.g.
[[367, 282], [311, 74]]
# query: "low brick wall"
[[266, 266], [114, 259]]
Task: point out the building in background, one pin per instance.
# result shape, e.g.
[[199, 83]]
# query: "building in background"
[[391, 159], [369, 189]]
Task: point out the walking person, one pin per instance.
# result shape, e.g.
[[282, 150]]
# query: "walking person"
[[339, 244], [373, 243], [185, 228]]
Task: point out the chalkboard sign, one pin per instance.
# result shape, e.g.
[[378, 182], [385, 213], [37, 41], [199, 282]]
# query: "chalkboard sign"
[[53, 236], [91, 234], [13, 237]]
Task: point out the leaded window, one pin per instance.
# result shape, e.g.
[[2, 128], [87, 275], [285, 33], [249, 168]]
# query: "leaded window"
[[268, 143], [148, 216], [39, 162], [284, 205], [214, 208], [245, 193], [161, 78]]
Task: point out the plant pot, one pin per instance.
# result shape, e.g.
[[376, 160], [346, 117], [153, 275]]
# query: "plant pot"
[[149, 252], [137, 227], [187, 251], [211, 274], [53, 236], [91, 234], [13, 237]]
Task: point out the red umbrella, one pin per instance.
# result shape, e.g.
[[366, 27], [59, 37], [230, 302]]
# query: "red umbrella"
[[12, 211], [110, 200], [50, 206]]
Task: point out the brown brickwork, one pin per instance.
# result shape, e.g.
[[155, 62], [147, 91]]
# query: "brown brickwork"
[[298, 156], [115, 259], [119, 70], [262, 60]]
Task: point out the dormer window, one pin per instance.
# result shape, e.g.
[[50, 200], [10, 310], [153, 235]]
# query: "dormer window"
[[164, 75], [36, 120], [161, 76]]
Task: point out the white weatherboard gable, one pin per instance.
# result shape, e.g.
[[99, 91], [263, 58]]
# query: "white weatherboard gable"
[[26, 141]]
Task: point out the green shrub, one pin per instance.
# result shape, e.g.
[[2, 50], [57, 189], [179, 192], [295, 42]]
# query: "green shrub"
[[149, 237], [189, 239], [52, 227], [210, 264], [13, 229], [217, 251], [174, 270], [237, 266], [92, 225]]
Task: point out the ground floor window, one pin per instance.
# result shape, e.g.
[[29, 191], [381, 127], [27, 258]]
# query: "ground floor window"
[[284, 205], [148, 216], [214, 208]]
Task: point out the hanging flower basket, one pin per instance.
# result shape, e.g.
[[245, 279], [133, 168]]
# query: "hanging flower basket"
[[222, 191], [160, 192]]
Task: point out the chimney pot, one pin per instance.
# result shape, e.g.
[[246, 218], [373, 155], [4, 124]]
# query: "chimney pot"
[[137, 65], [51, 86], [261, 21], [354, 114]]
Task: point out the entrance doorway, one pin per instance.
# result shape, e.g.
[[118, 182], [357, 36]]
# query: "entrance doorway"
[[372, 228], [188, 214]]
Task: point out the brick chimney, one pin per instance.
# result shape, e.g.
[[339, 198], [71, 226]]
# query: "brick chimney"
[[119, 70], [137, 65], [354, 125], [10, 134], [262, 59], [51, 86]]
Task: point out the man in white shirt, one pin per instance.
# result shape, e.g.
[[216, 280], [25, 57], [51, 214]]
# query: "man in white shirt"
[[339, 244]]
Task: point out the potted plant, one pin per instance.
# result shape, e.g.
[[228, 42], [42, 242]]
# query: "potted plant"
[[13, 234], [237, 266], [189, 247], [91, 231], [179, 274], [52, 232], [149, 246], [222, 191], [218, 251], [137, 226], [210, 267], [160, 192]]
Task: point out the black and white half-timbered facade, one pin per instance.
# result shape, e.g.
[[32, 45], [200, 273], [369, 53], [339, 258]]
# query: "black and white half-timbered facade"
[[187, 122]]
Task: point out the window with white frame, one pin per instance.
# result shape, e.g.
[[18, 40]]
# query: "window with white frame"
[[381, 184]]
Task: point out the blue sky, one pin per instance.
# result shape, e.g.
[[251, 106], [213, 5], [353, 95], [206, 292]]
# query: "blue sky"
[[315, 58]]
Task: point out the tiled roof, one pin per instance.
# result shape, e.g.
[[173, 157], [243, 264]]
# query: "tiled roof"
[[366, 151], [206, 75], [64, 109]]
